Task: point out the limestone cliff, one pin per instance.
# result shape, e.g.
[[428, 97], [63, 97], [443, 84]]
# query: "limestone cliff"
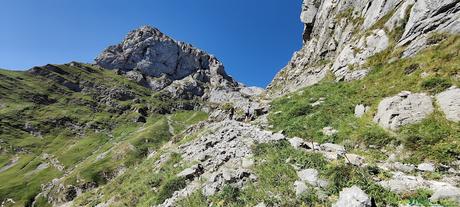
[[340, 36]]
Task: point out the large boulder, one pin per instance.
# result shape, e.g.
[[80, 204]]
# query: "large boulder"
[[405, 108], [449, 102], [353, 197]]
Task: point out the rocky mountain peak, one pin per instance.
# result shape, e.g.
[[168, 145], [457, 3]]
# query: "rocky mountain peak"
[[178, 69], [156, 60]]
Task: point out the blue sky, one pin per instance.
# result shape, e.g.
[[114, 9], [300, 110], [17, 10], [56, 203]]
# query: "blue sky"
[[254, 39]]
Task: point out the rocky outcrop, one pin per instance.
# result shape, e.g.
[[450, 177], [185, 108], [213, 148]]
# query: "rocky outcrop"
[[405, 108], [449, 102], [402, 183], [340, 36], [156, 55], [224, 157]]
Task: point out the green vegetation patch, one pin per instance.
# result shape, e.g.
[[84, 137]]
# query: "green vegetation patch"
[[329, 103]]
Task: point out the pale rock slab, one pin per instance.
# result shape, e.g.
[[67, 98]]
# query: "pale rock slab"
[[405, 108], [449, 102], [353, 197]]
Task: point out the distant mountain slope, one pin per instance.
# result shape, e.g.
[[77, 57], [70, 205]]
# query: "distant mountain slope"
[[54, 117]]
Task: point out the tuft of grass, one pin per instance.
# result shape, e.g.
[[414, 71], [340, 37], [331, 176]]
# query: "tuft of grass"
[[168, 188], [436, 84], [197, 199]]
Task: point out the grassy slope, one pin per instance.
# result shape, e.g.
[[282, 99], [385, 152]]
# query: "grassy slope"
[[434, 139], [147, 184], [126, 143]]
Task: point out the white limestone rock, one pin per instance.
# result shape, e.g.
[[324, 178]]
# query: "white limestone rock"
[[353, 197], [360, 110], [426, 167], [300, 187], [449, 102], [309, 176], [405, 108]]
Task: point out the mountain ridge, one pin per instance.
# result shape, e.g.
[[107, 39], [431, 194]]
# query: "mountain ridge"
[[366, 114]]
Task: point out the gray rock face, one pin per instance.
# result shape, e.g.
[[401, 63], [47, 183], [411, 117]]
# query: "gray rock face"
[[177, 69], [354, 159], [405, 108], [353, 197], [449, 102], [155, 54], [340, 34]]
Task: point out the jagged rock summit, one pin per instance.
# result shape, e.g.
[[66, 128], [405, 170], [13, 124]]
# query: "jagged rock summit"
[[155, 60], [178, 69]]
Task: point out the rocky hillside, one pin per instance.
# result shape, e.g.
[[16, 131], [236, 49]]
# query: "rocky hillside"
[[366, 114], [340, 36]]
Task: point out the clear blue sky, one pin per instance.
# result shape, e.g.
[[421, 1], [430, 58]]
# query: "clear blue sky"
[[254, 38]]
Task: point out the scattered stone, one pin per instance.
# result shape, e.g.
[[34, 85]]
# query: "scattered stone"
[[317, 103], [356, 75], [335, 148], [192, 172], [310, 176], [397, 166], [424, 75], [401, 183], [446, 193], [449, 102], [354, 159], [405, 108], [247, 162], [300, 187], [360, 110], [353, 197], [426, 167], [329, 131], [297, 142], [330, 155], [261, 205]]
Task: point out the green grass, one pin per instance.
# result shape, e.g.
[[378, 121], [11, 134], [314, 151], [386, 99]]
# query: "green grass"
[[294, 114], [140, 186], [21, 182], [77, 126], [182, 119]]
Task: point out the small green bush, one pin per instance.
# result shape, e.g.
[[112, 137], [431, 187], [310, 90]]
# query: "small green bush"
[[436, 84], [172, 185]]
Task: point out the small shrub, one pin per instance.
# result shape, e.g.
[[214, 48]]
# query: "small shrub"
[[172, 185], [436, 84], [230, 196], [376, 136]]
